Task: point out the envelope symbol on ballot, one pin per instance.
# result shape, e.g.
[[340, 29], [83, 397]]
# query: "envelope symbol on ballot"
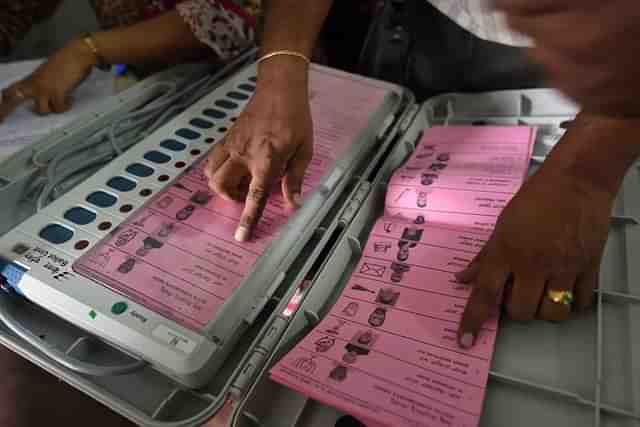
[[374, 270]]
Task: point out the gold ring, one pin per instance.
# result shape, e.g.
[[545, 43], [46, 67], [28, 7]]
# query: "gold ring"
[[560, 297], [19, 93]]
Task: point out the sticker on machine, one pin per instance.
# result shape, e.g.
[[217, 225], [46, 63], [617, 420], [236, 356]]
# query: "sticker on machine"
[[175, 339]]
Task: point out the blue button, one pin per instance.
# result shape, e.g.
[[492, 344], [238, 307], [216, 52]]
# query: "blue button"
[[214, 114], [80, 216], [138, 169], [121, 183], [201, 123], [56, 234], [226, 104], [102, 199], [238, 96], [173, 145], [156, 157], [187, 133], [247, 87]]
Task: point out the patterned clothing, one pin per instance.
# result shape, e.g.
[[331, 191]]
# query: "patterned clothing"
[[225, 25]]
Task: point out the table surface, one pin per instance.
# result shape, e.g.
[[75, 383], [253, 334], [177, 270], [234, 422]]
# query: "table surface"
[[31, 397]]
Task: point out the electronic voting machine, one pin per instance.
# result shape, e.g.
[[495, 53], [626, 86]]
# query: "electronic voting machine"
[[129, 286]]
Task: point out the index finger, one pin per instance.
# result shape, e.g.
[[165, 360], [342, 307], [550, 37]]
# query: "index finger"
[[257, 197], [12, 97], [484, 299]]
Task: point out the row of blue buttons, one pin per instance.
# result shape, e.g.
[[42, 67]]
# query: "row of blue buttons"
[[200, 123], [58, 234]]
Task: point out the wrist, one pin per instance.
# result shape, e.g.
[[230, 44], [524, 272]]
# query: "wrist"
[[83, 53], [284, 71], [597, 151]]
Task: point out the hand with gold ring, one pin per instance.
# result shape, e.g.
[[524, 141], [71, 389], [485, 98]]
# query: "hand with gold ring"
[[543, 258], [556, 304], [50, 86]]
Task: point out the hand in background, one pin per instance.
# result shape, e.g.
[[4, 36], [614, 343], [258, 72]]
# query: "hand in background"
[[51, 84]]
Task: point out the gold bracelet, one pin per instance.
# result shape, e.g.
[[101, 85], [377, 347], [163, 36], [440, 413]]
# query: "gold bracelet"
[[91, 44], [283, 53]]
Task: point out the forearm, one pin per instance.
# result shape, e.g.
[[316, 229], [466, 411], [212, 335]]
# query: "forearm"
[[597, 150], [290, 25], [166, 38]]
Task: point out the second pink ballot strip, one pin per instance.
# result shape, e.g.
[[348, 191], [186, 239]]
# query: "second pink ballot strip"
[[388, 351]]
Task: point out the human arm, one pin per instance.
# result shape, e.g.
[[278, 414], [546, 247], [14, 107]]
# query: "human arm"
[[589, 48], [159, 39], [552, 234], [273, 136]]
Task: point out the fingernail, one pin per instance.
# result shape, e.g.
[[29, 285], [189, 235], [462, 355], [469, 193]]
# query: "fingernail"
[[297, 199], [242, 234], [466, 340]]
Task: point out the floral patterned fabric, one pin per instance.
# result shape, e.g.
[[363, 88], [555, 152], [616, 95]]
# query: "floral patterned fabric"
[[225, 25]]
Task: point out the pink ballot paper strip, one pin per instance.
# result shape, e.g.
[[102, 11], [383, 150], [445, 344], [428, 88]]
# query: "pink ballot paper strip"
[[177, 256], [387, 352]]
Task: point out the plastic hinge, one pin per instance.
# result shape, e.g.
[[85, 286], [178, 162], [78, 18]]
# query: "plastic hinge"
[[245, 378], [259, 305], [355, 245], [354, 205], [273, 335], [332, 181], [409, 117], [386, 126]]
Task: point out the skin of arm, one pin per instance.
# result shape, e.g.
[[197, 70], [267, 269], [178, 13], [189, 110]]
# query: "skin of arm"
[[163, 40], [602, 154], [290, 25], [552, 234]]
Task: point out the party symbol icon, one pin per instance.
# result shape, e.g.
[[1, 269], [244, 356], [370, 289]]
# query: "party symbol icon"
[[374, 270]]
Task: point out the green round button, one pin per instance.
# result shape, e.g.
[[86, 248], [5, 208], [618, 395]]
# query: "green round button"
[[119, 307]]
